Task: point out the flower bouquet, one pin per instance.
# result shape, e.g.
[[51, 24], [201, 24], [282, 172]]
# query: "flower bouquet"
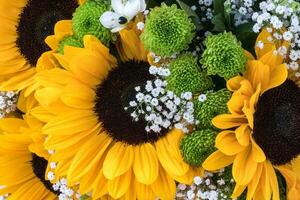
[[135, 99]]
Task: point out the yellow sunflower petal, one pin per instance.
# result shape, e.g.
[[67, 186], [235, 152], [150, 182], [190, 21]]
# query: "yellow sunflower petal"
[[254, 182], [242, 134], [119, 185], [48, 95], [273, 181], [188, 177], [143, 191], [164, 186], [264, 185], [268, 46], [118, 160], [277, 77], [257, 153], [234, 83], [19, 81], [83, 98], [53, 78], [227, 143], [145, 165], [257, 73], [236, 103], [226, 121], [11, 125], [90, 154], [248, 112], [238, 190], [246, 88], [217, 160], [41, 114], [92, 43], [296, 166], [272, 59], [131, 193], [70, 123], [291, 181], [244, 168], [169, 155]]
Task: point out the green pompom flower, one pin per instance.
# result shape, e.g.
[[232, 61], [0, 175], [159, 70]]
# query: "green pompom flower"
[[85, 20], [69, 41], [215, 104], [168, 30], [196, 147], [186, 76], [223, 56]]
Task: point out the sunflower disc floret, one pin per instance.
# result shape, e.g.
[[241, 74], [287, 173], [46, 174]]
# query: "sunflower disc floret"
[[223, 56], [197, 146], [69, 41], [186, 76], [214, 105], [86, 20], [167, 30]]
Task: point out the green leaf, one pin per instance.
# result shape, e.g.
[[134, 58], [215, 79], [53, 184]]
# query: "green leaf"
[[219, 7], [218, 21], [191, 13], [247, 37]]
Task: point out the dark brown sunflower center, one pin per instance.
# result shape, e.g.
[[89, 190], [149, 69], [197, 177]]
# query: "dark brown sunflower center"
[[39, 166], [114, 94], [277, 123], [37, 21]]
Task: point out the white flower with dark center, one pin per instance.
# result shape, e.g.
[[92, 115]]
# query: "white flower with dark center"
[[124, 12], [287, 35]]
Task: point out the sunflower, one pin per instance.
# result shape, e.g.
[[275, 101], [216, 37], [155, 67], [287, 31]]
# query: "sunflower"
[[23, 161], [261, 132], [24, 26], [95, 140]]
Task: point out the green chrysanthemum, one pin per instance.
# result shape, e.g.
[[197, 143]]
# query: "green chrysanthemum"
[[215, 104], [69, 41], [223, 56], [86, 20], [167, 30], [187, 76], [197, 146]]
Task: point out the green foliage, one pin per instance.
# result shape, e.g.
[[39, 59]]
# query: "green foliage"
[[69, 41], [85, 20], [223, 55], [222, 18], [168, 30], [197, 146], [186, 76], [191, 13], [215, 104]]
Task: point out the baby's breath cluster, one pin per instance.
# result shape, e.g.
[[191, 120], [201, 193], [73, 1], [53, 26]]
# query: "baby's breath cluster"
[[61, 186], [281, 19], [206, 9], [159, 107], [8, 102], [212, 186], [242, 10]]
